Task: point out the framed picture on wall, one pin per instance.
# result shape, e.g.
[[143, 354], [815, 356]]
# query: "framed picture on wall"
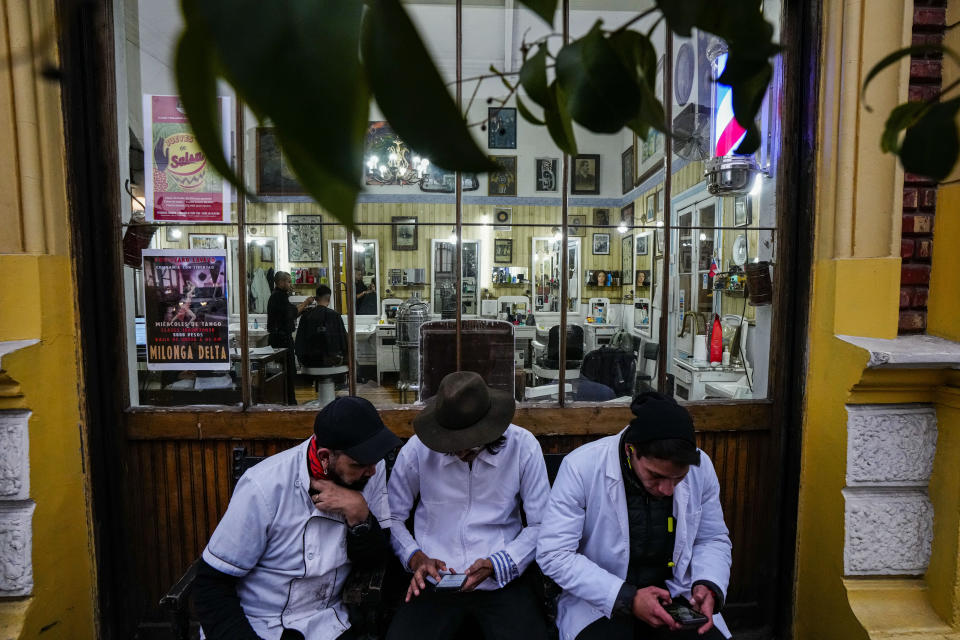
[[404, 236], [643, 244], [626, 169], [274, 175], [643, 277], [601, 244], [504, 181], [548, 173], [586, 175], [501, 219], [502, 128], [742, 211], [576, 226], [601, 217], [266, 253], [651, 207], [208, 241], [305, 238], [660, 235], [626, 215], [503, 250], [626, 259]]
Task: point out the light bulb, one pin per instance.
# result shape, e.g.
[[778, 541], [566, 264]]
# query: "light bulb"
[[622, 228], [703, 237], [359, 248], [757, 185], [177, 234]]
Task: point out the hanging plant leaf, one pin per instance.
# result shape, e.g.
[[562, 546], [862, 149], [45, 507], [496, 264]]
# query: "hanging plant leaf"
[[559, 123], [637, 52], [930, 147], [681, 15], [902, 117], [895, 56], [546, 9], [419, 108], [527, 114], [533, 78]]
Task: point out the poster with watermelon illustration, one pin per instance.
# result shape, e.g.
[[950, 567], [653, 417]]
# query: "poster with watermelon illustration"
[[183, 187]]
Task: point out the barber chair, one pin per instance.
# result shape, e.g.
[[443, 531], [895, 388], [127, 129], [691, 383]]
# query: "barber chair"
[[324, 380], [547, 362], [648, 354], [486, 348]]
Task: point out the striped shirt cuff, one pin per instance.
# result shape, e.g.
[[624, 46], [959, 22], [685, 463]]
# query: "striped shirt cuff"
[[504, 570]]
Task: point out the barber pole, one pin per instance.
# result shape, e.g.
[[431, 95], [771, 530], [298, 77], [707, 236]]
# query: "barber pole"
[[729, 133]]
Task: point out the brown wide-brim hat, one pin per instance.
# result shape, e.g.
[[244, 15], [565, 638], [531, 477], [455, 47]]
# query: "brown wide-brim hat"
[[464, 414]]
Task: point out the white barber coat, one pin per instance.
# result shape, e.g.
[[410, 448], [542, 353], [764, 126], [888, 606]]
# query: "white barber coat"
[[292, 557], [584, 543], [468, 512]]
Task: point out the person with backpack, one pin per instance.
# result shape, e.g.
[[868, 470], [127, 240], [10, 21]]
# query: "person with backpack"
[[321, 335]]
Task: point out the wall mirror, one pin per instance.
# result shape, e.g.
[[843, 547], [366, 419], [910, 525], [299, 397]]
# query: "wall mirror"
[[545, 267]]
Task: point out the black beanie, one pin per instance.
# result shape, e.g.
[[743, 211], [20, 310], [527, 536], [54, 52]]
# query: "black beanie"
[[658, 417]]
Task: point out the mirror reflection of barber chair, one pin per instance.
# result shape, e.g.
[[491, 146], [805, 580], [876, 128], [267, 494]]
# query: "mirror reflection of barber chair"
[[325, 382], [321, 349], [547, 362], [486, 348]]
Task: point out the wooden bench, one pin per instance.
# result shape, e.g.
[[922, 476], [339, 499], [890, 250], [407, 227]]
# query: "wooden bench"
[[364, 592]]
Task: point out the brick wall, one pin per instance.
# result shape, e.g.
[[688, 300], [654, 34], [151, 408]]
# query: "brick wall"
[[919, 193]]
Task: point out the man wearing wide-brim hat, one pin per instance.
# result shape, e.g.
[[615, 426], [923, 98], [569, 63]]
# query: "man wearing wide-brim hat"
[[473, 471]]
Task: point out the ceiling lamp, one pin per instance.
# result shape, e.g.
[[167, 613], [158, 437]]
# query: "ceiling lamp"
[[399, 167]]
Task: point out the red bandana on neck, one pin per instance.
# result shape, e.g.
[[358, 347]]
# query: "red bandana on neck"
[[313, 461]]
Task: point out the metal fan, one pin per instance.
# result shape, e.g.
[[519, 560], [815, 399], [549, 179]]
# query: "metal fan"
[[691, 130]]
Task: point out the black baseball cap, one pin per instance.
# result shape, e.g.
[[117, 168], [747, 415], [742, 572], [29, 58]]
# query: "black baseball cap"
[[352, 425]]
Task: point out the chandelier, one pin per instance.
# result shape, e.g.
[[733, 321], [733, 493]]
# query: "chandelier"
[[397, 168]]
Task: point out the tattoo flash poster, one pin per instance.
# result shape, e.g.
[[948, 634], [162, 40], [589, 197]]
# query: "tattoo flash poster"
[[185, 296], [182, 186]]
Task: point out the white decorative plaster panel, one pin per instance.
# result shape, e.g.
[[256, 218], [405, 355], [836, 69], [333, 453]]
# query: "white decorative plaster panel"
[[890, 445], [16, 536], [914, 352], [14, 455], [887, 532]]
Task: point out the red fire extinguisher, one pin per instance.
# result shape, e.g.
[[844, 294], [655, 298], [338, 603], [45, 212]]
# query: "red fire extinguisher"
[[716, 340]]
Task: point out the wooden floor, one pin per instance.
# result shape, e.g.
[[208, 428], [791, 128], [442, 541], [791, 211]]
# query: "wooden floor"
[[379, 395]]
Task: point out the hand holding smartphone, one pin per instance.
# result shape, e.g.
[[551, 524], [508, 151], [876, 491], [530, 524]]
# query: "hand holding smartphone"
[[685, 616], [451, 582]]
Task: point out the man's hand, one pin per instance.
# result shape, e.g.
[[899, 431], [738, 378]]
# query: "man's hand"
[[647, 607], [479, 571], [703, 601], [423, 566], [328, 496]]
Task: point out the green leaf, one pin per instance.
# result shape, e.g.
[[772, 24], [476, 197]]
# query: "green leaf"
[[602, 93], [637, 52], [558, 121], [527, 114], [747, 97], [930, 147], [533, 78], [262, 49], [546, 9], [750, 142], [418, 107], [902, 117], [896, 56], [682, 15], [197, 80]]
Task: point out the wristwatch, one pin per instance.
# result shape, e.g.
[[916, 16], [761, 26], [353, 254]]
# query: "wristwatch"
[[360, 529]]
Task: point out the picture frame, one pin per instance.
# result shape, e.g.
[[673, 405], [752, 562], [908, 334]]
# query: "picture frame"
[[626, 259], [601, 217], [502, 218], [501, 128], [577, 225], [208, 241], [626, 215], [404, 234], [649, 152], [305, 238], [642, 277], [504, 181], [742, 211], [266, 253], [660, 239], [651, 207], [586, 174], [626, 169], [643, 244], [601, 244], [503, 250], [442, 181], [274, 175], [547, 174]]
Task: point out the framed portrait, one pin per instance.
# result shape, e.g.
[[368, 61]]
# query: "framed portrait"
[[503, 250], [502, 128], [576, 226], [439, 180], [504, 181], [601, 244], [266, 253], [274, 175], [208, 241], [643, 244], [586, 175], [305, 238], [742, 211], [626, 169], [626, 259], [404, 233], [626, 215], [643, 277], [601, 217], [547, 172], [651, 207]]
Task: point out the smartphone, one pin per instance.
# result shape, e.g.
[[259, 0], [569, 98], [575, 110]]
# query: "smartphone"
[[686, 617], [451, 582]]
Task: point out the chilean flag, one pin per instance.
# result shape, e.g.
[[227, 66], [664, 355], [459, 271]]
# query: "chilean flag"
[[713, 267], [729, 132]]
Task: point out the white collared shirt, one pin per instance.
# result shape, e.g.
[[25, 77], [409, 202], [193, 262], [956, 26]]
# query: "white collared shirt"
[[466, 511], [292, 557]]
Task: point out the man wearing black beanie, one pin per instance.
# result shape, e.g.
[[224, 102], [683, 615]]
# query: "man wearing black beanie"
[[633, 528]]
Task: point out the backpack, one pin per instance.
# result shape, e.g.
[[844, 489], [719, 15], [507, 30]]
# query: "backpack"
[[615, 368], [321, 338], [622, 340]]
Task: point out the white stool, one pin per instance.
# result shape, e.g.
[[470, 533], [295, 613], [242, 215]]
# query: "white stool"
[[326, 389]]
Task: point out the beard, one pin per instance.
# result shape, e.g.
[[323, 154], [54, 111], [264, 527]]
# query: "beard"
[[354, 486]]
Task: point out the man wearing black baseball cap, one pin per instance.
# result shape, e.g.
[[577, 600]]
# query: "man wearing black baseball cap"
[[633, 528], [274, 568]]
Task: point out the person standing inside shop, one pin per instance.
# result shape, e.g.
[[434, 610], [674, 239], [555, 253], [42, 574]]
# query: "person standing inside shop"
[[281, 321], [366, 294]]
